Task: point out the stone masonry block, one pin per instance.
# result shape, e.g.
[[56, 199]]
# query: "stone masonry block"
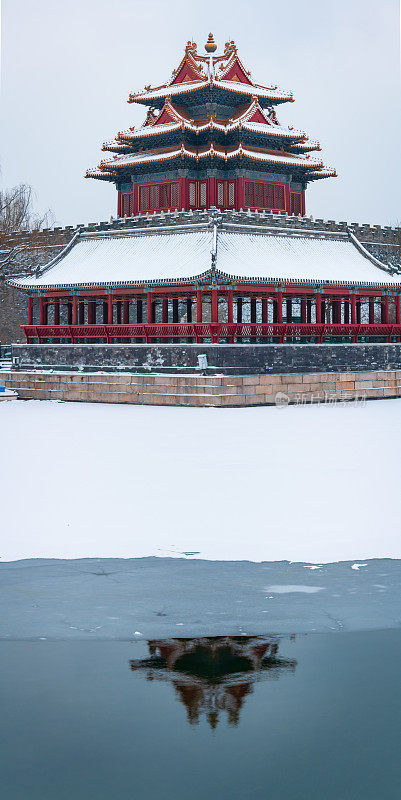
[[251, 380]]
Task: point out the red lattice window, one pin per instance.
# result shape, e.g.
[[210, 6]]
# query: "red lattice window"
[[175, 195], [126, 204], [259, 195], [202, 194], [144, 198], [197, 191], [159, 196], [279, 200], [264, 195], [249, 193], [164, 195], [269, 195], [225, 194], [296, 203], [154, 196]]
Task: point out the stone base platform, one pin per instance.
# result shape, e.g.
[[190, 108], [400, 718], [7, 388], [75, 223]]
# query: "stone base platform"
[[222, 359], [204, 390]]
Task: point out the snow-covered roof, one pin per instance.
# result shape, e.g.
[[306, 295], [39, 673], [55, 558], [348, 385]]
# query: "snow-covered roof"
[[296, 257], [171, 254], [119, 258], [168, 127], [270, 157], [174, 90]]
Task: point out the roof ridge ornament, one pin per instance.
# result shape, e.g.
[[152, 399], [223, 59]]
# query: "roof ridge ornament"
[[210, 45]]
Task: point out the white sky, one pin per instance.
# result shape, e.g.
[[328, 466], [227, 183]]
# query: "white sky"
[[69, 65]]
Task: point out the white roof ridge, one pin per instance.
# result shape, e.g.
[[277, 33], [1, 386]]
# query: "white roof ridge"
[[387, 268]]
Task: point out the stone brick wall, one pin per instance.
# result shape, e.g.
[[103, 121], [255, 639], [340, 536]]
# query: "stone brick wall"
[[226, 359], [199, 390]]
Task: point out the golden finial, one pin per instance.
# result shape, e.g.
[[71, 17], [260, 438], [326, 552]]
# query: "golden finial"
[[210, 45]]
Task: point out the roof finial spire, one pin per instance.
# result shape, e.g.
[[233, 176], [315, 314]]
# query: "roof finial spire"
[[210, 45]]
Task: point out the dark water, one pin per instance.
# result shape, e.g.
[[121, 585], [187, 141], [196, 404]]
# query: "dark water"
[[278, 718]]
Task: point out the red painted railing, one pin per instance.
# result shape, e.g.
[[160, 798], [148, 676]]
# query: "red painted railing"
[[233, 331]]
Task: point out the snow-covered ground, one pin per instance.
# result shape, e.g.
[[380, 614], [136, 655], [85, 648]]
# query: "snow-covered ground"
[[315, 484]]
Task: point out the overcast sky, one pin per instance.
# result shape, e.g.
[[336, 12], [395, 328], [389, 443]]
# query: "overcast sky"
[[69, 65]]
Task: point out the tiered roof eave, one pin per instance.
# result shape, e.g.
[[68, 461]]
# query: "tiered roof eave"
[[112, 167]]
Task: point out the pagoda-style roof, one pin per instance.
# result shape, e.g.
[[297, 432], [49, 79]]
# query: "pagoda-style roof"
[[211, 75], [250, 120], [211, 110], [189, 248], [110, 168]]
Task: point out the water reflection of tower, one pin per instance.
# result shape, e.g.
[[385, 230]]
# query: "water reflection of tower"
[[213, 675]]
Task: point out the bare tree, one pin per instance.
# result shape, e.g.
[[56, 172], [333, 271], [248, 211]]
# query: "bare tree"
[[20, 227]]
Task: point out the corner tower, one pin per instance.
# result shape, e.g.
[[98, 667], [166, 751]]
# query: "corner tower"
[[211, 137]]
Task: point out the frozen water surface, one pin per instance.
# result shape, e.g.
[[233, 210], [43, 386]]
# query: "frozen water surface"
[[149, 597]]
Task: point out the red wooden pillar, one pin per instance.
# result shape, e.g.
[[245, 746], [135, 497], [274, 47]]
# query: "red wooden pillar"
[[57, 312], [303, 211], [239, 194], [212, 189], [139, 312], [135, 199], [398, 310], [91, 313], [165, 310], [371, 310], [126, 312], [385, 309], [318, 301], [30, 310], [239, 309], [230, 306], [199, 305], [81, 313], [46, 312], [75, 310], [149, 308], [353, 309], [279, 306], [41, 311], [110, 309], [303, 309], [215, 305], [175, 309], [183, 194], [264, 310], [253, 309], [287, 198]]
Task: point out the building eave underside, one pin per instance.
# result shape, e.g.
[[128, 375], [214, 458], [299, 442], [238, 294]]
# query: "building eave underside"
[[284, 241]]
